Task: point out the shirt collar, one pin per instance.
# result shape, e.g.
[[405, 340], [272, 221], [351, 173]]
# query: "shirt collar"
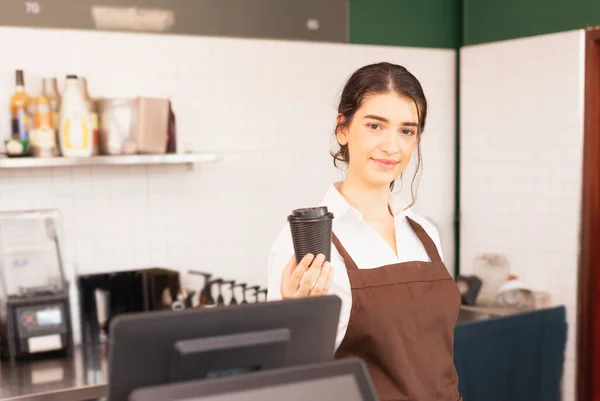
[[338, 205]]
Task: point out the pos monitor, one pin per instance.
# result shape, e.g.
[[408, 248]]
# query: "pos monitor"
[[153, 348], [345, 379]]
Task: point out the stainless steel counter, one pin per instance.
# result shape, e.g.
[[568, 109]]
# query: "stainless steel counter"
[[82, 376]]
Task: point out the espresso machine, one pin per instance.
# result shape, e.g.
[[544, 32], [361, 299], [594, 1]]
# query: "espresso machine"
[[35, 316]]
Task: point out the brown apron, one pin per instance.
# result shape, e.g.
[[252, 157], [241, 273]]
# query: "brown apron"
[[402, 325]]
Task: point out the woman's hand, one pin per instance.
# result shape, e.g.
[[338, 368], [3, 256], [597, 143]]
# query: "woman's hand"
[[311, 277]]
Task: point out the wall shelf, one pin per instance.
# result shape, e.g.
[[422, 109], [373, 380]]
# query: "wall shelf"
[[118, 160]]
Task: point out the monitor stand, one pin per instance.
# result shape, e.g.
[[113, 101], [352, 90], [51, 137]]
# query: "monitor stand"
[[229, 354]]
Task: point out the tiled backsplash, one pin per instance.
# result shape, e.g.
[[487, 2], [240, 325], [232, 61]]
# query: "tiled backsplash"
[[521, 162], [267, 106]]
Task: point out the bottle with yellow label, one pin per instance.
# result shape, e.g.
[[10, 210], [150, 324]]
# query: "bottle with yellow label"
[[42, 140], [19, 112], [50, 91], [75, 128], [18, 143]]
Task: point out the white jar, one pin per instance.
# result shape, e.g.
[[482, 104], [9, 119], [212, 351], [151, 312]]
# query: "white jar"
[[75, 129]]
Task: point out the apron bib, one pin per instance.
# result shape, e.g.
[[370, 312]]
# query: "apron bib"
[[402, 325]]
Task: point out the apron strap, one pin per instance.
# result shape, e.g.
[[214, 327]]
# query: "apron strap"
[[426, 240], [350, 264]]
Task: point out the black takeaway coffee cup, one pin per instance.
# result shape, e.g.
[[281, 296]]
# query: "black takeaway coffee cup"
[[311, 231]]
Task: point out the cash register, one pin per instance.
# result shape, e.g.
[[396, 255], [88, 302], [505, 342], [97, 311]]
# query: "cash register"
[[167, 348], [35, 316]]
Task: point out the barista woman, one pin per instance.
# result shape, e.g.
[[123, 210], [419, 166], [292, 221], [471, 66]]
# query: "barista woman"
[[399, 303]]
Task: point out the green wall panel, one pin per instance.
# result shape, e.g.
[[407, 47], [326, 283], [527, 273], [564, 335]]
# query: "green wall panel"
[[493, 20], [415, 23]]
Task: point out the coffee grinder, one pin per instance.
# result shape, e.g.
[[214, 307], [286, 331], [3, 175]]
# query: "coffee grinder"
[[35, 316]]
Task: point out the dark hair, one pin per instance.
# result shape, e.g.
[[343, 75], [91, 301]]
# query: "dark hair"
[[381, 78]]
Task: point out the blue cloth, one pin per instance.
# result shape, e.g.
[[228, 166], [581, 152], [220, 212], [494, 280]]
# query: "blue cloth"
[[512, 358]]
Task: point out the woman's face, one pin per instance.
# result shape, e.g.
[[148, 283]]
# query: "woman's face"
[[381, 138]]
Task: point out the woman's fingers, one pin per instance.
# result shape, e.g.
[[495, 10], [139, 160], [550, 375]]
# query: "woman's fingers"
[[311, 275], [328, 282], [321, 282], [299, 270]]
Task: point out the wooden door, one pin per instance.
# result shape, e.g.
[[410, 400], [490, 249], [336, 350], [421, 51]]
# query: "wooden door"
[[588, 348]]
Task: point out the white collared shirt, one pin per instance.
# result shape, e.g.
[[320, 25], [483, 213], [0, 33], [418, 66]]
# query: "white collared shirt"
[[364, 244]]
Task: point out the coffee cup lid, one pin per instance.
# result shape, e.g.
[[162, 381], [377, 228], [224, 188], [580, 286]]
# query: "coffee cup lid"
[[310, 212]]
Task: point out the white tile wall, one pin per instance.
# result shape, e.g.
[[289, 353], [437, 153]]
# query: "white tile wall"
[[521, 161], [268, 106]]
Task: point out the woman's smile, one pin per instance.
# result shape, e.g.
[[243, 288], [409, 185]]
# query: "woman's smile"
[[387, 164]]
